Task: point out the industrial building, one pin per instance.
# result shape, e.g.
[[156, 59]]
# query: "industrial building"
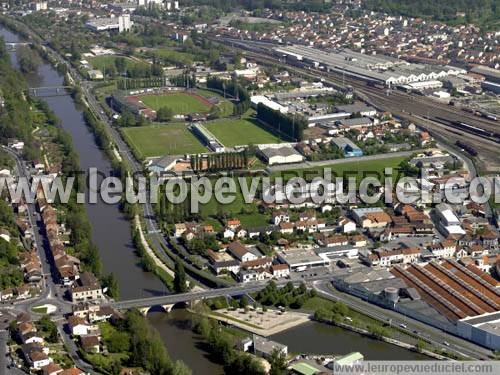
[[492, 75], [462, 300], [447, 221], [301, 259], [347, 146], [261, 99], [280, 154], [491, 86], [483, 330], [374, 68]]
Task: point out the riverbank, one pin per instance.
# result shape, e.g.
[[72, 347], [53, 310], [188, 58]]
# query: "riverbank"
[[110, 228]]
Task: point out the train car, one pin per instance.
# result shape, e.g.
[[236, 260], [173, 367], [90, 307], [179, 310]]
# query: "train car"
[[489, 116], [467, 147]]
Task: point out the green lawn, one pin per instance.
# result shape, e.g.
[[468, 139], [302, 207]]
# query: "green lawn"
[[225, 106], [349, 168], [255, 219], [174, 57], [240, 132], [102, 62], [180, 103], [158, 140]]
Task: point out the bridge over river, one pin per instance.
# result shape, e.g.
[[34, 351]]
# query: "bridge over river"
[[167, 302]]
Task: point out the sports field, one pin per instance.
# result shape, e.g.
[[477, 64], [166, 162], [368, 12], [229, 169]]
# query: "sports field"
[[106, 61], [240, 132], [181, 103], [159, 140]]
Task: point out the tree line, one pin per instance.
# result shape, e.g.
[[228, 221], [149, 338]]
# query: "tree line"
[[233, 88], [290, 125], [220, 161], [141, 83]]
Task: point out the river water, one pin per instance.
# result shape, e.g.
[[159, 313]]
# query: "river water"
[[111, 233]]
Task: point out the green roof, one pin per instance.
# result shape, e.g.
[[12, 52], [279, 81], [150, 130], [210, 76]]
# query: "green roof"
[[304, 368], [348, 359]]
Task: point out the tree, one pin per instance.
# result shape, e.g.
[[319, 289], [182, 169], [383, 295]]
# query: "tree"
[[244, 302], [277, 360], [49, 328], [420, 346], [111, 283], [118, 342], [180, 282], [28, 59], [164, 114]]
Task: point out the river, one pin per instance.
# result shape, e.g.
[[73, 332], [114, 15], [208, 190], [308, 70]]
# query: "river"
[[110, 230], [111, 233]]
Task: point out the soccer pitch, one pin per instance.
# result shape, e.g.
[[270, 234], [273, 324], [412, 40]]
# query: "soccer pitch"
[[159, 140], [181, 103], [240, 132]]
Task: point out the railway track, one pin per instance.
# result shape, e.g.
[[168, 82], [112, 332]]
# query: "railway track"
[[403, 100], [404, 105]]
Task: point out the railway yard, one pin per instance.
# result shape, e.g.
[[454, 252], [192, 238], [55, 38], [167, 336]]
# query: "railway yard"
[[447, 122]]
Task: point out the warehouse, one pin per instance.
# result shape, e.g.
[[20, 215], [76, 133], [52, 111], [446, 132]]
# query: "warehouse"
[[483, 330], [377, 68], [492, 75], [300, 259], [448, 222], [261, 99], [280, 154], [347, 146]]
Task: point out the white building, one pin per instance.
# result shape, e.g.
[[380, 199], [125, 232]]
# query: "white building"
[[483, 329], [280, 154], [261, 99], [120, 23], [448, 222]]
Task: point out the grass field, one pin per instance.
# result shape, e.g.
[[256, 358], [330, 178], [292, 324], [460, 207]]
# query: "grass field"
[[101, 62], [173, 56], [349, 168], [226, 107], [180, 103], [240, 132], [158, 140]]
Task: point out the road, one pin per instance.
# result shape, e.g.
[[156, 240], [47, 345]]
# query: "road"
[[72, 349], [51, 292], [158, 241], [209, 293], [435, 336], [324, 163]]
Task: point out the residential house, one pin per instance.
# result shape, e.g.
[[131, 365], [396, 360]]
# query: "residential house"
[[90, 343], [346, 225], [233, 224], [52, 369], [221, 262], [444, 249], [78, 326], [72, 371], [388, 258], [280, 217], [250, 275], [243, 253], [372, 217], [36, 360], [280, 270], [228, 233], [88, 288]]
